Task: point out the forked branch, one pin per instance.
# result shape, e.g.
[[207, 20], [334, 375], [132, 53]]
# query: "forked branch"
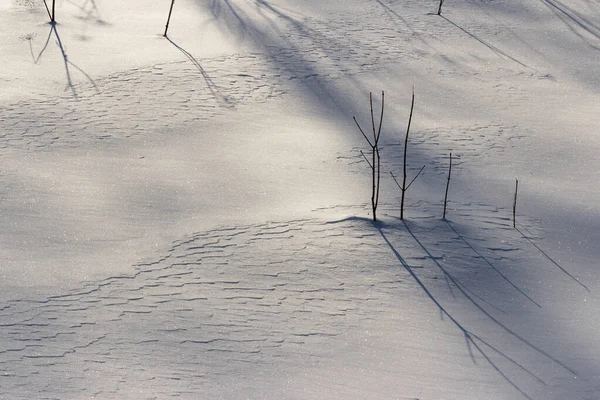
[[375, 163]]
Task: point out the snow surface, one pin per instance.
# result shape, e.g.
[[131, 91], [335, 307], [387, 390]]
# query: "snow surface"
[[189, 216]]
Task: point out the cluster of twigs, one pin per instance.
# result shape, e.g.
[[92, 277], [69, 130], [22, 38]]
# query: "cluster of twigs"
[[375, 162]]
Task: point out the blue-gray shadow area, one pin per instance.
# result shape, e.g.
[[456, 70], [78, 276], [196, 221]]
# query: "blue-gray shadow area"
[[474, 341], [489, 263], [575, 21], [270, 35]]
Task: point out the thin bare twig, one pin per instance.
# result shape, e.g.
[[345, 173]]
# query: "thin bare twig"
[[48, 10], [375, 163], [447, 186], [363, 133], [366, 159], [169, 18], [515, 204], [440, 7], [395, 180], [412, 106], [415, 178]]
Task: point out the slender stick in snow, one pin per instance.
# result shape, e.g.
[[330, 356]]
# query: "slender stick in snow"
[[440, 7], [412, 106], [169, 18], [375, 164], [447, 186], [515, 204]]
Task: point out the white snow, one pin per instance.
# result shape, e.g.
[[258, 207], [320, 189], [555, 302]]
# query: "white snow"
[[190, 216]]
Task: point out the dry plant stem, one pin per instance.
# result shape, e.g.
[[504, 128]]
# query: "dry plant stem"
[[411, 182], [415, 178], [447, 186], [53, 4], [377, 147], [515, 204], [48, 10], [440, 7], [412, 106], [169, 18], [375, 163]]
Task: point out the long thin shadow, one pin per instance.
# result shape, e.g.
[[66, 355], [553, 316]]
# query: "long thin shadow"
[[37, 59], [462, 238], [66, 60], [389, 10], [214, 89], [486, 313], [493, 48], [471, 338], [575, 17], [552, 260]]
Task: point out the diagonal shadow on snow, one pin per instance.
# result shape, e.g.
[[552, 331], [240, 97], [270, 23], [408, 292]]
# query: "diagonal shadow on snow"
[[67, 62], [552, 260], [268, 29], [471, 338], [490, 46], [214, 89], [481, 309], [478, 253], [575, 21]]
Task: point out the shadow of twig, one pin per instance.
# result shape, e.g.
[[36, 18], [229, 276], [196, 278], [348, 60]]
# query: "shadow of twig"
[[471, 338], [66, 60], [493, 48], [573, 19], [552, 260], [91, 12], [482, 310], [214, 89], [397, 16], [462, 238], [36, 60]]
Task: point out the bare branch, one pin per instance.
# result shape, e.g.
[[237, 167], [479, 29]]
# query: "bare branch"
[[363, 133], [447, 186], [372, 117], [169, 18], [366, 159], [415, 178], [412, 106], [395, 180], [515, 204], [380, 118], [378, 173], [48, 10]]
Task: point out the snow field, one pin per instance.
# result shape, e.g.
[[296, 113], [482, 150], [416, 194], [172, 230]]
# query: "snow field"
[[117, 143]]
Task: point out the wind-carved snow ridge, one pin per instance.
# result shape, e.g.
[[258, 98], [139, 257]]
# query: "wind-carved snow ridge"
[[238, 302]]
